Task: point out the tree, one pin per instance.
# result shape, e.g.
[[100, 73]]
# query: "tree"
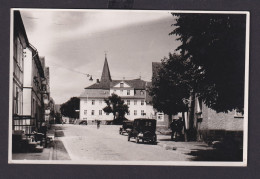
[[69, 108], [173, 84], [215, 44], [116, 106]]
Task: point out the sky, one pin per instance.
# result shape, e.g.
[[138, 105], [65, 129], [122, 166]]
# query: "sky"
[[74, 43]]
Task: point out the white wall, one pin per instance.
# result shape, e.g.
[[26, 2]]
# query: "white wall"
[[86, 104], [28, 68], [27, 101]]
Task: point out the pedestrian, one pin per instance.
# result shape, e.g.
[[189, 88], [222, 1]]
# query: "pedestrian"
[[173, 126], [44, 131], [98, 124]]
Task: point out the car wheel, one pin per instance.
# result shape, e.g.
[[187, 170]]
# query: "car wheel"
[[84, 123], [155, 139]]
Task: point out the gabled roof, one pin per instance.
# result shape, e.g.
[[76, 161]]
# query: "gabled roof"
[[98, 86], [19, 28], [106, 72], [105, 78], [96, 93], [106, 81], [136, 83]]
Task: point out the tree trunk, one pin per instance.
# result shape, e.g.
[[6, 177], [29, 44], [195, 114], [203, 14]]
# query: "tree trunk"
[[169, 120], [191, 132], [184, 128]]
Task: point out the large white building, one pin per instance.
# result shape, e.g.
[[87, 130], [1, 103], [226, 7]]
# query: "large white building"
[[133, 92]]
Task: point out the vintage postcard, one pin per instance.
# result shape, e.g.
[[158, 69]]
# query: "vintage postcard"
[[129, 87]]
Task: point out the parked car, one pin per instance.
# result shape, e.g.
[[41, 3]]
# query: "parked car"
[[83, 122], [126, 127], [143, 129]]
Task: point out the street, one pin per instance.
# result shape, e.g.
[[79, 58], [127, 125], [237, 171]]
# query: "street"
[[89, 143]]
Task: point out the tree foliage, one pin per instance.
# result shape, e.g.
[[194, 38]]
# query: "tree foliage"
[[69, 108], [116, 106], [215, 44], [172, 84]]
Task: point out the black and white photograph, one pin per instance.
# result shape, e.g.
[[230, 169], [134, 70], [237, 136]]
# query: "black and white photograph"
[[128, 87]]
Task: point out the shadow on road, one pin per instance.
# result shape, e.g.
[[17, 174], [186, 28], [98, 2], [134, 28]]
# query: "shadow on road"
[[217, 155], [165, 140]]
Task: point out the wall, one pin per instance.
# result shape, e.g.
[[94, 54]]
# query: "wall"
[[220, 121], [86, 104]]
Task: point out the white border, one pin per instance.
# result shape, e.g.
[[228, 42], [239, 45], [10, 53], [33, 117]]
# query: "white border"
[[148, 163]]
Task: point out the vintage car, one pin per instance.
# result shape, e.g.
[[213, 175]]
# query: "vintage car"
[[143, 129], [126, 127], [83, 122]]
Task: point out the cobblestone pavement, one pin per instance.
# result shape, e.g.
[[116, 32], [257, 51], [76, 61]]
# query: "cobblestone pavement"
[[90, 143]]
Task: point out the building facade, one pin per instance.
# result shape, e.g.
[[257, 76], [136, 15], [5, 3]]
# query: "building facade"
[[207, 122], [33, 106], [20, 42], [133, 92], [30, 77]]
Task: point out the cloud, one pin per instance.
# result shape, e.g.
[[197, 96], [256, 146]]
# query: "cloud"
[[75, 41]]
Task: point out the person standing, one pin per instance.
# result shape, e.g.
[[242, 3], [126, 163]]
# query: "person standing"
[[98, 124]]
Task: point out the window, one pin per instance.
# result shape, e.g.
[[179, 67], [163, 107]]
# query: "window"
[[142, 112], [135, 102], [128, 102], [107, 113], [141, 92], [18, 59], [135, 112], [93, 102], [128, 112], [160, 116], [128, 92], [85, 112], [92, 112], [100, 112], [142, 102], [121, 85]]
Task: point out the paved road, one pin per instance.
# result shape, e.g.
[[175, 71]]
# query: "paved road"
[[90, 143]]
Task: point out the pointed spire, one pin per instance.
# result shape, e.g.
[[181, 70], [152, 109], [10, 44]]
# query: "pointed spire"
[[106, 77]]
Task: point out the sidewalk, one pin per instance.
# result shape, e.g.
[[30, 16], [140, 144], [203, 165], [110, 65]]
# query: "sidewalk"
[[180, 146], [199, 151], [45, 155]]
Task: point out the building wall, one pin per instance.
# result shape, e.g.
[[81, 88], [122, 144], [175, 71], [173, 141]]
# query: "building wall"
[[87, 105], [220, 121], [135, 109]]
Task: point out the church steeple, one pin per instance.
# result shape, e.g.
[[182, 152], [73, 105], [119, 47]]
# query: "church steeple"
[[106, 77]]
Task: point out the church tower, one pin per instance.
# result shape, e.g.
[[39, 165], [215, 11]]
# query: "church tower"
[[106, 77]]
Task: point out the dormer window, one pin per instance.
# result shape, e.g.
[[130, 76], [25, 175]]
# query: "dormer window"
[[121, 85]]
